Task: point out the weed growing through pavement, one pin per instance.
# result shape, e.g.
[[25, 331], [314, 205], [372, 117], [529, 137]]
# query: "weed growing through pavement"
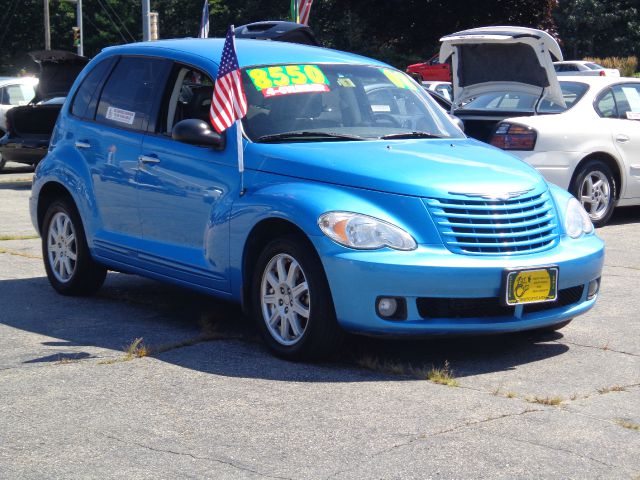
[[18, 237], [442, 376], [553, 401], [628, 424], [615, 388]]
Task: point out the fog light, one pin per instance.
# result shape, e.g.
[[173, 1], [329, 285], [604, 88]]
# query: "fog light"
[[594, 287], [387, 307]]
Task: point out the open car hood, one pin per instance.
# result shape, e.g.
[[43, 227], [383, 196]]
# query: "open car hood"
[[58, 71], [502, 59]]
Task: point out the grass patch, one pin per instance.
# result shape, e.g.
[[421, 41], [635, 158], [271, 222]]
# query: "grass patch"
[[553, 401], [135, 349], [498, 393], [66, 361], [18, 237], [628, 424], [19, 254], [442, 376], [511, 395], [615, 388]]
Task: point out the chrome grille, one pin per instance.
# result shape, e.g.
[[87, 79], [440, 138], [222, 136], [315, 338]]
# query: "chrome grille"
[[496, 227]]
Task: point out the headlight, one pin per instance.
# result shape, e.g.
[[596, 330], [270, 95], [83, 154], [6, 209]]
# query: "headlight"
[[576, 220], [363, 232]]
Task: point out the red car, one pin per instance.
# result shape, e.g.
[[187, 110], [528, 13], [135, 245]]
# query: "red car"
[[432, 69]]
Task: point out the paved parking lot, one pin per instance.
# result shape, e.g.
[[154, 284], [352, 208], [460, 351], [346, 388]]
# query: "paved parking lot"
[[206, 400]]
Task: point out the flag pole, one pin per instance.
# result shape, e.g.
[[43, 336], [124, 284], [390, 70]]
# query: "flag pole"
[[240, 155]]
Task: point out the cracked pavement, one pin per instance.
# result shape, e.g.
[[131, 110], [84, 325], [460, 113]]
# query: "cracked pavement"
[[215, 404]]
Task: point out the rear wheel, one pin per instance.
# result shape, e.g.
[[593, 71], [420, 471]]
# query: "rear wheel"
[[292, 303], [69, 266], [595, 189]]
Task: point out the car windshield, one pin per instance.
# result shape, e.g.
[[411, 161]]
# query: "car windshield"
[[333, 102], [522, 102]]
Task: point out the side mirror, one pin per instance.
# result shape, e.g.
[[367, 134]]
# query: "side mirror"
[[457, 122], [197, 132]]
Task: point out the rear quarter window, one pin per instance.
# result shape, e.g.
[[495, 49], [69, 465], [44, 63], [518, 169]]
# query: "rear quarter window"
[[133, 92], [88, 90]]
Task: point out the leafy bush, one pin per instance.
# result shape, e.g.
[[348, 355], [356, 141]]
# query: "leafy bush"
[[626, 65]]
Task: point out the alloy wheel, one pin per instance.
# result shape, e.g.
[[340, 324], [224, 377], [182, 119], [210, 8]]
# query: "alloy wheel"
[[285, 299], [62, 248]]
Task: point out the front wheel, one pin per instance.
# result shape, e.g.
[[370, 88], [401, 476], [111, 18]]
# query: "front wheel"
[[595, 188], [69, 266], [292, 303]]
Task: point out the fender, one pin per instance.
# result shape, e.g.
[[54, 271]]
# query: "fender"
[[301, 202]]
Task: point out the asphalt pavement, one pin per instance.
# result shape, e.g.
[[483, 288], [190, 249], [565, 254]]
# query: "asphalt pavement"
[[199, 396]]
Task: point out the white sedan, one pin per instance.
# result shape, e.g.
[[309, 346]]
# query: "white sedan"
[[592, 148], [582, 67], [14, 91]]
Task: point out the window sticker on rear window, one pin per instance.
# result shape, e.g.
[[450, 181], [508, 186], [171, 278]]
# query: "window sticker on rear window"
[[399, 79], [119, 115], [288, 79]]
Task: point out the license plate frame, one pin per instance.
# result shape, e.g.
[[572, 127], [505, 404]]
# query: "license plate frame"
[[526, 286]]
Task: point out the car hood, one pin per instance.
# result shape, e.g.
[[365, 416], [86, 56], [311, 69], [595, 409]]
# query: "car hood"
[[58, 71], [421, 168], [501, 60]]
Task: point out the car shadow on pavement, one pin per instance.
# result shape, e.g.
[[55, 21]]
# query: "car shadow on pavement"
[[625, 215], [203, 334]]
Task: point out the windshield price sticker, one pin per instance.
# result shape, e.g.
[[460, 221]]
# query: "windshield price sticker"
[[399, 79], [287, 79]]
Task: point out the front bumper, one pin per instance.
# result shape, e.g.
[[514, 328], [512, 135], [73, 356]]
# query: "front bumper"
[[358, 278]]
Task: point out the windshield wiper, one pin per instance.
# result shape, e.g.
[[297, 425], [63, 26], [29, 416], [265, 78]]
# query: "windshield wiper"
[[393, 136], [283, 137]]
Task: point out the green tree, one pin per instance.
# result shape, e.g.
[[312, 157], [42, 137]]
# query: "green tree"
[[599, 27]]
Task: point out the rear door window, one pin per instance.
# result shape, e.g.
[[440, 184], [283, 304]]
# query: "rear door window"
[[89, 89], [17, 95], [627, 98], [132, 93]]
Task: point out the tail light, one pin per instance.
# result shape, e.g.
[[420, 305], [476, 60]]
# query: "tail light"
[[603, 73], [509, 136]]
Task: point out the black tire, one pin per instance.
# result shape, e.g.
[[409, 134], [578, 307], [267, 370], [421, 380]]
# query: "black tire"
[[86, 276], [321, 335], [599, 170], [3, 162]]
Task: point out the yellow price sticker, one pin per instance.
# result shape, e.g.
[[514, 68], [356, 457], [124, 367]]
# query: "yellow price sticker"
[[399, 79], [284, 75]]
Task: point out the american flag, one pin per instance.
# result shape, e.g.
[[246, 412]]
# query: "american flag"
[[204, 23], [304, 8], [229, 102]]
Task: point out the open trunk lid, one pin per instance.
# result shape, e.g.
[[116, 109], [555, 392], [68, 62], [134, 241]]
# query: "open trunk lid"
[[58, 71], [502, 59]]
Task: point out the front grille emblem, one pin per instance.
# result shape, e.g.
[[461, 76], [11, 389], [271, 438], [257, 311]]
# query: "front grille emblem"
[[493, 196]]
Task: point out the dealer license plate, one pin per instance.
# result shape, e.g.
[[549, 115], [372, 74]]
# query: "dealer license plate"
[[531, 286]]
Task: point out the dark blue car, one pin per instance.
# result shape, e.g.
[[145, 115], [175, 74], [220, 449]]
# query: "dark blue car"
[[364, 207]]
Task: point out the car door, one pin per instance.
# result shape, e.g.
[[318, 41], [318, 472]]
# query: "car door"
[[184, 190], [111, 122], [625, 132]]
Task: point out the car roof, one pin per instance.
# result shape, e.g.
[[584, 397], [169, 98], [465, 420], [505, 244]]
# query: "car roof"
[[250, 52], [597, 80]]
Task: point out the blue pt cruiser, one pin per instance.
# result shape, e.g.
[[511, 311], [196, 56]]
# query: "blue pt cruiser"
[[362, 207]]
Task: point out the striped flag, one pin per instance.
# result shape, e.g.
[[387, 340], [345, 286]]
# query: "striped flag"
[[304, 8], [229, 102], [204, 23]]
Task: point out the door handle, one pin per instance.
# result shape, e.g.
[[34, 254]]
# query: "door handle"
[[148, 159], [83, 145], [622, 138]]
